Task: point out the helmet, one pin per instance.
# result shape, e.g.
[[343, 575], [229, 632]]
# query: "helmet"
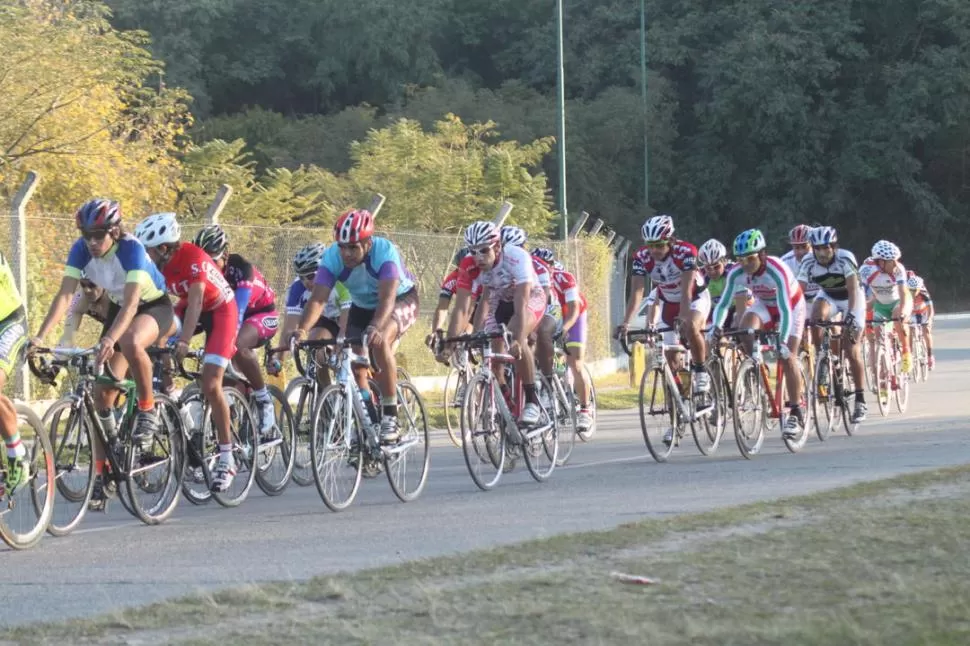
[[514, 236], [308, 258], [749, 242], [885, 250], [711, 252], [823, 236], [459, 256], [799, 234], [558, 266], [212, 239], [98, 213], [544, 254], [354, 226], [481, 233], [915, 282], [157, 229], [657, 228]]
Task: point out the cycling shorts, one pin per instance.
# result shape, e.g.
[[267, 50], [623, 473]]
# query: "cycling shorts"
[[219, 326], [405, 313], [576, 336], [159, 309], [770, 317], [501, 312], [670, 311], [266, 324]]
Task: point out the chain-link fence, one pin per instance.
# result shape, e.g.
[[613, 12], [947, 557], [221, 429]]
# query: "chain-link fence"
[[427, 256]]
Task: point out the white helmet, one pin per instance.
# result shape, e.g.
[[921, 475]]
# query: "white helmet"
[[657, 228], [514, 236], [157, 229], [308, 258], [885, 250], [915, 282], [711, 252], [481, 233]]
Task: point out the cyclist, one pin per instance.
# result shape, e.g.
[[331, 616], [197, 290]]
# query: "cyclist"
[[334, 319], [573, 305], [836, 273], [779, 301], [801, 245], [205, 298], [923, 311], [257, 322], [385, 301], [13, 335], [714, 263], [89, 300], [449, 287], [139, 315], [885, 279], [682, 293]]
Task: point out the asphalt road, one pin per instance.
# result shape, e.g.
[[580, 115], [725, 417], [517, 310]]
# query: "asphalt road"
[[113, 560]]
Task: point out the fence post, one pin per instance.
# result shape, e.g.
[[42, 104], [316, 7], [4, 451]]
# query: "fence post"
[[609, 235], [579, 224], [596, 227], [18, 238], [219, 203]]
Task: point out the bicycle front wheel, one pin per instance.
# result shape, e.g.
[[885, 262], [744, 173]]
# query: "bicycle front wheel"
[[749, 408], [824, 400], [563, 406], [274, 465], [483, 440], [299, 394], [541, 444], [455, 384], [659, 420], [245, 447], [26, 511], [883, 379], [71, 438], [406, 463], [336, 449], [155, 466]]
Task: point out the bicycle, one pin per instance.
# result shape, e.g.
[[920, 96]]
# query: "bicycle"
[[755, 397], [565, 374], [344, 434], [489, 428], [26, 512], [889, 376], [146, 474], [667, 405], [459, 375], [832, 385], [202, 446], [921, 357]]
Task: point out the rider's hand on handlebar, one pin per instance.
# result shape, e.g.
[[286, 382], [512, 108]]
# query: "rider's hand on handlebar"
[[106, 348], [181, 350], [620, 331]]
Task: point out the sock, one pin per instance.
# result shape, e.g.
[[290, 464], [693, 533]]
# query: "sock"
[[389, 406], [697, 367], [262, 394], [225, 452], [860, 396], [15, 448], [530, 393], [98, 467], [147, 405]]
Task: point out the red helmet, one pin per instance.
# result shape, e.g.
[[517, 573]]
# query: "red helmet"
[[799, 235], [98, 214], [354, 226]]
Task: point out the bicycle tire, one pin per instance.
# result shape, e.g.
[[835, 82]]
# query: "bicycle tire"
[[883, 380], [541, 448], [245, 447], [749, 397], [329, 445], [798, 442], [565, 410], [457, 378], [37, 515], [588, 434], [68, 516], [273, 481], [414, 428], [481, 421], [166, 455], [709, 429], [662, 412], [824, 397], [201, 449], [303, 419]]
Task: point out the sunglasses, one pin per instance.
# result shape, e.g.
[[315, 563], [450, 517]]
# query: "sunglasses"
[[657, 245], [480, 251], [93, 236]]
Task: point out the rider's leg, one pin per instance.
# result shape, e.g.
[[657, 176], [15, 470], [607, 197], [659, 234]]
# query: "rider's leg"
[[545, 351]]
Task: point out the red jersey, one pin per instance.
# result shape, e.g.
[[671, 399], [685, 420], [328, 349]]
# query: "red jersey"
[[190, 265], [467, 276], [449, 285], [665, 274], [242, 274], [566, 289]]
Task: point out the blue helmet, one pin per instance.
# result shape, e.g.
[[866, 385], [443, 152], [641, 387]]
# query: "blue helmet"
[[749, 242], [823, 236], [98, 214]]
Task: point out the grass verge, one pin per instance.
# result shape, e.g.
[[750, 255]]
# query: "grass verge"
[[876, 563]]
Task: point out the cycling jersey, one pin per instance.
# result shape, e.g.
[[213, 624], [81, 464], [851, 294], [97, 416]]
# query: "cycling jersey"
[[253, 294], [566, 290], [885, 288], [126, 262], [512, 268], [830, 279], [298, 295], [774, 285], [542, 273], [921, 301], [795, 265], [666, 274], [190, 265], [449, 286], [382, 262], [10, 299]]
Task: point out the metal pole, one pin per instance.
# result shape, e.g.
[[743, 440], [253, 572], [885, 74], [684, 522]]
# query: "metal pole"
[[218, 204], [643, 89], [579, 224], [596, 227], [608, 237], [19, 265], [564, 229]]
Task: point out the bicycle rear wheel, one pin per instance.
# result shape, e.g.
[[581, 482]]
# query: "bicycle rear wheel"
[[901, 391], [749, 409], [201, 448], [483, 439], [301, 390], [541, 444], [455, 383], [797, 442], [274, 465], [564, 408], [71, 438], [336, 449], [883, 379], [709, 428], [659, 420], [588, 434], [824, 400], [154, 469], [407, 462], [245, 447], [26, 512]]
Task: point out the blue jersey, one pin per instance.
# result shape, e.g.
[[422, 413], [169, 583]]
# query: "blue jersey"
[[298, 295], [382, 262], [126, 262]]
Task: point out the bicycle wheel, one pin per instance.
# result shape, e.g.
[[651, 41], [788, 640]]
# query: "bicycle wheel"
[[920, 358], [869, 363], [300, 391], [26, 511], [71, 438], [199, 443], [883, 379], [901, 389], [709, 428], [749, 409], [541, 443], [848, 398], [274, 465], [336, 446], [155, 469], [797, 442], [245, 447], [407, 462], [482, 432], [659, 420], [824, 400], [588, 434], [564, 409], [455, 383]]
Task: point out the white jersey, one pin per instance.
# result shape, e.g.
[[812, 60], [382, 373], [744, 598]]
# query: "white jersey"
[[810, 289], [774, 285], [513, 268], [829, 279], [885, 288], [666, 274]]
